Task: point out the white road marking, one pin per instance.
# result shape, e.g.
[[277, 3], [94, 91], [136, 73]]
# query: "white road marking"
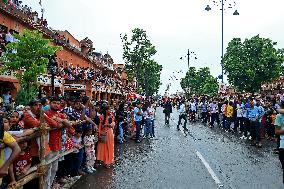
[[209, 169], [207, 166]]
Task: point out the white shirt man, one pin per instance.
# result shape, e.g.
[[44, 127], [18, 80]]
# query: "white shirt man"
[[151, 112], [193, 107], [213, 107], [181, 109], [239, 111]]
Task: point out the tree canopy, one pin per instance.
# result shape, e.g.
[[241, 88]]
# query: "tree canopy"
[[200, 82], [253, 62], [28, 58], [137, 53]]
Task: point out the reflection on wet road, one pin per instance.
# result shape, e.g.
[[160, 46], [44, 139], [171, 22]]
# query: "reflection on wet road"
[[202, 159]]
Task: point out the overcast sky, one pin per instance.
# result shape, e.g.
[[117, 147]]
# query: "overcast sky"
[[172, 26]]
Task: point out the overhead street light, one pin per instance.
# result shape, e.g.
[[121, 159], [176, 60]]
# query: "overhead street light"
[[189, 54], [236, 13], [208, 8]]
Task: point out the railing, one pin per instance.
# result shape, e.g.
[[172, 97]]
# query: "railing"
[[40, 170]]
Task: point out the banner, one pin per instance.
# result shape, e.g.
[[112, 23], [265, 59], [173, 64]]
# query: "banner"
[[9, 74], [75, 86], [46, 80]]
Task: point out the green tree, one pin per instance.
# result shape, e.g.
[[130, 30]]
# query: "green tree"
[[210, 86], [200, 82], [152, 71], [137, 53], [189, 81], [253, 62], [27, 57]]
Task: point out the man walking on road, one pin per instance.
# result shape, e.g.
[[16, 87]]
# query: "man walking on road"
[[182, 115], [167, 111]]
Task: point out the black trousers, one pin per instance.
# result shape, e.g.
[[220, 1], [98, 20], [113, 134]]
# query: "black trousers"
[[270, 130], [66, 166], [182, 116], [246, 126], [192, 115], [35, 182], [213, 119], [239, 123], [167, 118], [218, 118], [204, 117], [281, 158]]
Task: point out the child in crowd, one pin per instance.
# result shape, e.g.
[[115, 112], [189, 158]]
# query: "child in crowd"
[[269, 122], [15, 127], [15, 133], [78, 153], [15, 121], [89, 142], [21, 164], [66, 165]]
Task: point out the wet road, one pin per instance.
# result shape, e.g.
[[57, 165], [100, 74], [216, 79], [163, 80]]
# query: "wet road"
[[203, 159]]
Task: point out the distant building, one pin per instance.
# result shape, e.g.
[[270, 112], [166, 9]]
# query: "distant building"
[[80, 68]]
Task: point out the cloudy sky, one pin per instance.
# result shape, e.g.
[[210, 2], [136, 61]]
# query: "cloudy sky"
[[172, 26]]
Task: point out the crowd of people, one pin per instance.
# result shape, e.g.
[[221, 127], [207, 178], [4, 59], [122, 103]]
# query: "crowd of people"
[[82, 135], [32, 16], [66, 71], [78, 73], [252, 118], [6, 37]]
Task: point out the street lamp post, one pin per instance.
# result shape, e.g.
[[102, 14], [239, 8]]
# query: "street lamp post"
[[222, 57], [208, 8], [188, 56]]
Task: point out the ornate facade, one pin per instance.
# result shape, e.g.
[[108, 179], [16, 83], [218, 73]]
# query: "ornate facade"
[[80, 68]]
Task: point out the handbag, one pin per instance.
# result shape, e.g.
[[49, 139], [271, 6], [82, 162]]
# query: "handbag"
[[103, 138]]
